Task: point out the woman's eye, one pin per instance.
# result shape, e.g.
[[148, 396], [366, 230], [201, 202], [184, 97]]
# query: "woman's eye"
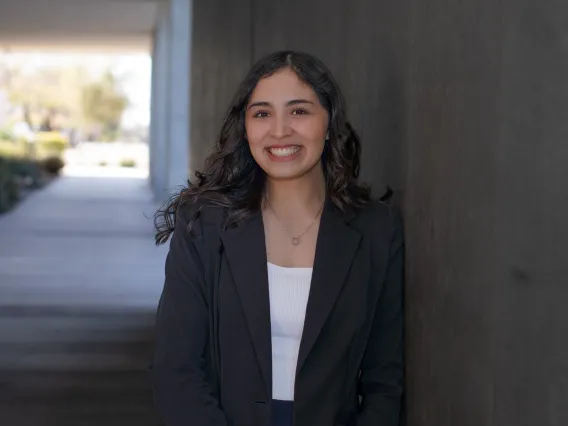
[[299, 111], [260, 114]]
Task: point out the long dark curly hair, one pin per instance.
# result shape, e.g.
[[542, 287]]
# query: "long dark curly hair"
[[233, 180]]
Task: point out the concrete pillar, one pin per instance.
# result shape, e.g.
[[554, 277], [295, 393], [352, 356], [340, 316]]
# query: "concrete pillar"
[[180, 18], [153, 140], [170, 80], [160, 90]]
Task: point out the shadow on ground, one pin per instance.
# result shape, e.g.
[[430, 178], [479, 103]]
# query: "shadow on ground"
[[93, 375]]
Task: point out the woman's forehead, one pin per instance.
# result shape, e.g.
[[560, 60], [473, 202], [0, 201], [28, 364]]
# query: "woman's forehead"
[[282, 86]]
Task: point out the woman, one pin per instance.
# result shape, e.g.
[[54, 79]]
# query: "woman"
[[282, 302]]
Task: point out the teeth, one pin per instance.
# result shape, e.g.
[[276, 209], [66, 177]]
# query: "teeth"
[[284, 152]]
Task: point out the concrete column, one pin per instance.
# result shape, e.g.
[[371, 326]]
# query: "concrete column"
[[153, 142], [170, 80], [160, 90], [178, 120]]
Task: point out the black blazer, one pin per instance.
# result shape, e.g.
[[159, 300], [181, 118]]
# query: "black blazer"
[[350, 365]]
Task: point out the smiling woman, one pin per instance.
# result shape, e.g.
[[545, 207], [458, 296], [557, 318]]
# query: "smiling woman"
[[233, 179], [282, 302], [286, 126]]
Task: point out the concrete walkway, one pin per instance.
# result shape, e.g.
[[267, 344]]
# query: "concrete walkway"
[[80, 278]]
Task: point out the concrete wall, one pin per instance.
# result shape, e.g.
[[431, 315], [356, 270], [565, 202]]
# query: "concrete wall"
[[486, 209], [221, 56], [456, 293], [462, 108]]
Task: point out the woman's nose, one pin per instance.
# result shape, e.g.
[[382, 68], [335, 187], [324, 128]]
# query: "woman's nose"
[[280, 126]]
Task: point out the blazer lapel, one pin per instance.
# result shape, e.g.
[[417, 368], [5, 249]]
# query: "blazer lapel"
[[336, 246], [245, 248]]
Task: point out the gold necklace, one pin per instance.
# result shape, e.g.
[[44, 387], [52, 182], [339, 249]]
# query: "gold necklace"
[[298, 239]]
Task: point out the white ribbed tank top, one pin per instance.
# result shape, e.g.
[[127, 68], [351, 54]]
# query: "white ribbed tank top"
[[289, 289]]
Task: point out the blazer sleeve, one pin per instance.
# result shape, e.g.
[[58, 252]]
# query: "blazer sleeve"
[[382, 368], [182, 393]]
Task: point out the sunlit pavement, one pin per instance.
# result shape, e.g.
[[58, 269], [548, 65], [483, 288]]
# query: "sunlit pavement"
[[79, 283], [105, 172]]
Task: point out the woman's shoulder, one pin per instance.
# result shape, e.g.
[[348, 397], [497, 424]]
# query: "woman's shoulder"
[[376, 210], [200, 212], [378, 218]]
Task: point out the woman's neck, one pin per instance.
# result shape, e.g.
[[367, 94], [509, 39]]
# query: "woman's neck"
[[301, 196]]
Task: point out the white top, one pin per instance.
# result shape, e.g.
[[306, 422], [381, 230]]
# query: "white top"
[[289, 289]]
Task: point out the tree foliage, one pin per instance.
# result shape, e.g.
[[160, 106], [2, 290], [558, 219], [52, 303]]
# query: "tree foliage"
[[103, 104], [44, 94], [65, 97]]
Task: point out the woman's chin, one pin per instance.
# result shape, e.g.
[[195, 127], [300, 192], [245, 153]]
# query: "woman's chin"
[[289, 171]]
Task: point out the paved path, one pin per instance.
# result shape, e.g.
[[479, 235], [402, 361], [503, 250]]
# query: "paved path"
[[79, 283]]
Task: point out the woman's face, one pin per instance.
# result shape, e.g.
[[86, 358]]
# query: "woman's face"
[[286, 126]]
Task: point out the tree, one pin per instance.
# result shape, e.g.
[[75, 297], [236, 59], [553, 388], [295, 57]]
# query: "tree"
[[57, 97], [103, 105], [47, 97]]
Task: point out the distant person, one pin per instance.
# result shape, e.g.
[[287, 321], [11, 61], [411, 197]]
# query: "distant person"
[[283, 298]]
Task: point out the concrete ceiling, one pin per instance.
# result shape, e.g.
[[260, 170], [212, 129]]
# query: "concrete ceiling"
[[103, 25]]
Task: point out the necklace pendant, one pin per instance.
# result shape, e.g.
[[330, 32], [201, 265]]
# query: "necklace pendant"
[[295, 241]]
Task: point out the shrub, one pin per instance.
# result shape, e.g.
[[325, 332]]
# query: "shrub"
[[11, 149], [127, 163], [10, 183], [27, 171], [53, 165], [17, 174], [51, 143], [4, 178], [9, 194]]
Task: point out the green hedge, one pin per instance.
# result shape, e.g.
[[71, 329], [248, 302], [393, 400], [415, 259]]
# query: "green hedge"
[[13, 148], [50, 144], [44, 147], [25, 165], [17, 175]]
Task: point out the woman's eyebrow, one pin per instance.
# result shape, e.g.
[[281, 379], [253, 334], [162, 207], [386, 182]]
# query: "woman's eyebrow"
[[298, 101], [289, 103], [261, 103]]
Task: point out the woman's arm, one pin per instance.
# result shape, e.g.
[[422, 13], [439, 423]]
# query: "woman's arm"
[[382, 367], [181, 391]]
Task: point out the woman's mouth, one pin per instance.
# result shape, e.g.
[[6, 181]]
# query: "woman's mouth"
[[283, 152]]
